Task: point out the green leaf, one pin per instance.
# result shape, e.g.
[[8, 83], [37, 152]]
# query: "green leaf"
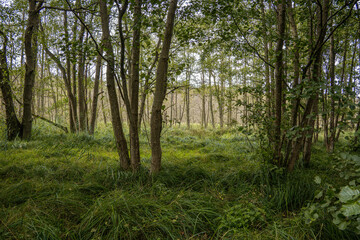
[[343, 225], [319, 194], [346, 194], [351, 209], [317, 180], [352, 183], [336, 219]]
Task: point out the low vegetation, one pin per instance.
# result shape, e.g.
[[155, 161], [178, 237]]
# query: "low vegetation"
[[214, 184]]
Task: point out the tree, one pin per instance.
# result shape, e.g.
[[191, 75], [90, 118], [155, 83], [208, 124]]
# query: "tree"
[[13, 126], [30, 65], [160, 90], [121, 143]]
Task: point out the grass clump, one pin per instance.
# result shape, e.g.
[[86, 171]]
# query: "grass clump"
[[148, 216]]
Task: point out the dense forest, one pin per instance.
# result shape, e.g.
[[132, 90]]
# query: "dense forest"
[[179, 119]]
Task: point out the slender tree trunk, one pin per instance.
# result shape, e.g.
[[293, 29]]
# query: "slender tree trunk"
[[176, 108], [102, 102], [279, 81], [296, 101], [344, 82], [330, 141], [211, 102], [98, 72], [121, 143], [187, 98], [221, 102], [30, 66], [310, 133], [13, 126], [160, 90], [71, 97], [267, 69], [134, 90], [315, 78], [203, 109], [171, 108], [230, 101], [81, 84]]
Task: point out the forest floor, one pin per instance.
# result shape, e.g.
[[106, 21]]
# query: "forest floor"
[[214, 184]]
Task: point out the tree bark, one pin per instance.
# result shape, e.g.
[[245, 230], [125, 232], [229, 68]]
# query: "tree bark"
[[211, 102], [96, 93], [13, 126], [187, 98], [330, 140], [30, 65], [160, 90], [203, 100], [121, 143], [134, 90], [81, 80], [267, 68], [315, 78], [296, 101], [279, 81]]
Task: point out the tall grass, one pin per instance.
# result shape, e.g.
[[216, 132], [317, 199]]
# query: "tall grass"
[[212, 186]]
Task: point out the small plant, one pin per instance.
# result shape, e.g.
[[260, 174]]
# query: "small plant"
[[242, 216]]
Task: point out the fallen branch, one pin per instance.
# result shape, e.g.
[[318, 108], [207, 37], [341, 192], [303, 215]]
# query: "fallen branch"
[[51, 122], [45, 119]]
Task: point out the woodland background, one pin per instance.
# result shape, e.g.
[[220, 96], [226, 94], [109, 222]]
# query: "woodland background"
[[147, 119]]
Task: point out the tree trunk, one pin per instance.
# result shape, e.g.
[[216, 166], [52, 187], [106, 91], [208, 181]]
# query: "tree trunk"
[[221, 102], [187, 97], [134, 90], [279, 81], [330, 140], [229, 101], [102, 102], [95, 94], [160, 90], [121, 143], [73, 73], [203, 101], [267, 69], [171, 108], [71, 97], [211, 102], [296, 101], [13, 126], [315, 78], [81, 82], [30, 66]]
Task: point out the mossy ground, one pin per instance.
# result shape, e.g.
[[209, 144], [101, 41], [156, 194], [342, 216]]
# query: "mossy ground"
[[213, 185]]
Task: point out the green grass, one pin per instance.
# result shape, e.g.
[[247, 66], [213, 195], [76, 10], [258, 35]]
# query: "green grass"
[[213, 185]]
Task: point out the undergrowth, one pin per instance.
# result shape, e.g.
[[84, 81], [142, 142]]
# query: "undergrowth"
[[213, 185]]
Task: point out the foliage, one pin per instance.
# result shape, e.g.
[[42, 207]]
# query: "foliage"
[[341, 203], [243, 215]]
